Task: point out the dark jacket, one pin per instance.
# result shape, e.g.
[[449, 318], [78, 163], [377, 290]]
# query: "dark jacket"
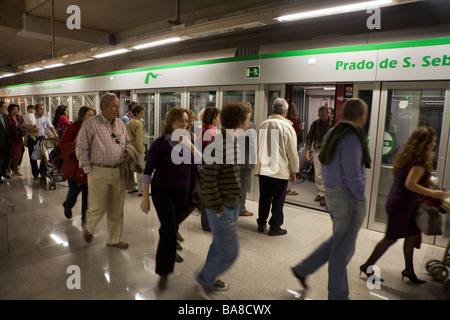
[[316, 134], [4, 141]]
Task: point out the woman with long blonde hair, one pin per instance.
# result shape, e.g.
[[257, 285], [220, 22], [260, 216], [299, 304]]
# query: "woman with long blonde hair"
[[412, 171]]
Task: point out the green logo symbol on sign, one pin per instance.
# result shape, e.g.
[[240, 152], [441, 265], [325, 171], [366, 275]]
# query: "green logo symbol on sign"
[[252, 72], [388, 143], [151, 74]]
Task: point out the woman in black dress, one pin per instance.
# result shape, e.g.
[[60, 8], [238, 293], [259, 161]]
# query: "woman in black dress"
[[412, 168]]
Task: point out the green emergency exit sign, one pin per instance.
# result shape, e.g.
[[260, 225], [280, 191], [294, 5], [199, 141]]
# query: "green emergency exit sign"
[[252, 72]]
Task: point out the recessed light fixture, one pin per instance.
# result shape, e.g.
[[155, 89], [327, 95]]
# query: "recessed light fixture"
[[157, 43], [56, 65], [111, 53], [33, 70], [334, 10]]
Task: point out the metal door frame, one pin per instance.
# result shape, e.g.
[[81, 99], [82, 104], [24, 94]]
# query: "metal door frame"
[[443, 146], [373, 127]]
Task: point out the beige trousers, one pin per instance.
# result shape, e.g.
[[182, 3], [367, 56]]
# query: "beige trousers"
[[106, 187], [318, 173]]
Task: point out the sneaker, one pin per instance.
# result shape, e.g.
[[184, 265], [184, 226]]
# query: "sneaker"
[[219, 285]]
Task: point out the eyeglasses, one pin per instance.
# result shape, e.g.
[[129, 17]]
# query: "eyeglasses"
[[116, 140]]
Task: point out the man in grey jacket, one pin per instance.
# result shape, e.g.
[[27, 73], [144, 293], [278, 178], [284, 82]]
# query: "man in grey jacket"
[[277, 163]]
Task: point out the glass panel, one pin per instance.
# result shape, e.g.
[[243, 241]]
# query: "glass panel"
[[90, 100], [274, 95], [77, 103], [366, 95], [243, 96], [199, 100], [406, 110], [22, 105], [168, 100], [54, 103], [147, 101]]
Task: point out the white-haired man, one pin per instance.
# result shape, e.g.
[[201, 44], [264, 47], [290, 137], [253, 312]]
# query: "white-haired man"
[[277, 163]]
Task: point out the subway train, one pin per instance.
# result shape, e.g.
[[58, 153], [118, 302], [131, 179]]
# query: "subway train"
[[404, 78]]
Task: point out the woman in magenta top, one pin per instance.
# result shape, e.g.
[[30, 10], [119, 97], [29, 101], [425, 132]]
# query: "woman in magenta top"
[[412, 170], [60, 121], [210, 121]]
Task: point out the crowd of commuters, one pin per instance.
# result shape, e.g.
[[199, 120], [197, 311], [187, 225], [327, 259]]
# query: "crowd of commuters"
[[101, 155]]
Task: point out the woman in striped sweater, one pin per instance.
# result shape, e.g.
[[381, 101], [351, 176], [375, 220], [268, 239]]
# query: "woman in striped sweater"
[[221, 185]]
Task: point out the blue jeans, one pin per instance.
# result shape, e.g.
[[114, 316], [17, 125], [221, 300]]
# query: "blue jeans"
[[225, 247], [203, 217], [347, 214], [72, 195]]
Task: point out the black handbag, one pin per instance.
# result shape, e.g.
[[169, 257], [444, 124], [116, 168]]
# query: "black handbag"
[[428, 219]]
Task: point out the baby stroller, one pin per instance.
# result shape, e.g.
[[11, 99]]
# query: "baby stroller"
[[50, 162], [306, 171]]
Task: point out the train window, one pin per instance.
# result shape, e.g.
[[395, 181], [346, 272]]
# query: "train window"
[[77, 103], [167, 101], [199, 100], [147, 101], [242, 96], [406, 110]]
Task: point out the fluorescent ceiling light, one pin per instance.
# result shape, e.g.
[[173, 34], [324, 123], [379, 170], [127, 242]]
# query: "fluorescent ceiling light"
[[56, 65], [334, 10], [7, 75], [81, 60], [157, 43], [111, 53], [33, 70]]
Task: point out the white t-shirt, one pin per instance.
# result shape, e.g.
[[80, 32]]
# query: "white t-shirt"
[[29, 119]]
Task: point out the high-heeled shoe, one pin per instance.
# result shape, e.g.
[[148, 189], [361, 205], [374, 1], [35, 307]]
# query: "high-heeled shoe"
[[363, 269], [412, 277]]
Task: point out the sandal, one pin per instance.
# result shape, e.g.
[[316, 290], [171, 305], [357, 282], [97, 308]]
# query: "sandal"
[[291, 192]]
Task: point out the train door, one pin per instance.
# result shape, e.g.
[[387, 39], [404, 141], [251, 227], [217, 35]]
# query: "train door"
[[124, 100], [308, 98], [404, 107], [148, 100], [168, 98], [255, 96], [202, 97], [445, 158]]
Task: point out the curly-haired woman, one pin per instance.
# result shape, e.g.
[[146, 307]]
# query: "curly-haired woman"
[[412, 168]]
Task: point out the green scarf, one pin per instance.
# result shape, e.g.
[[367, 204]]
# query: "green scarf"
[[344, 128]]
